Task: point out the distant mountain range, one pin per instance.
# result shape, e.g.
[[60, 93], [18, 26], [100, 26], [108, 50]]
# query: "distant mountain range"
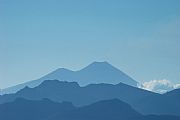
[[143, 101], [97, 92], [96, 72], [114, 109]]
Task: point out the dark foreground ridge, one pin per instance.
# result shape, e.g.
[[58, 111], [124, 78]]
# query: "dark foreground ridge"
[[22, 109]]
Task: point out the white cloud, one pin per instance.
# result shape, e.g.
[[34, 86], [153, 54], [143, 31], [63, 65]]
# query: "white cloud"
[[177, 86], [159, 86]]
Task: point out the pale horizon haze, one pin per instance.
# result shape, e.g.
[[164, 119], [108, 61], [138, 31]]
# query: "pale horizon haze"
[[139, 37]]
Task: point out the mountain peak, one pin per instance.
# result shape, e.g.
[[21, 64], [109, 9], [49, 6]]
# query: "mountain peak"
[[103, 72], [112, 103], [102, 62], [26, 88], [96, 63], [63, 70], [101, 66]]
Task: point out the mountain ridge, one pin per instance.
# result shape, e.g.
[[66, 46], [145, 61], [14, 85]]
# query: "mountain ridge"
[[45, 109], [96, 72], [143, 101]]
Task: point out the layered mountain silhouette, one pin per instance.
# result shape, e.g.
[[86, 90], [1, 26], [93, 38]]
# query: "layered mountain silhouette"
[[22, 109], [96, 72], [142, 101], [167, 103], [114, 109], [97, 92], [103, 110]]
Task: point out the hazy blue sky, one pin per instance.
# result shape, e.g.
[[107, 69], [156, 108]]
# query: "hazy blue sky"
[[140, 37]]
